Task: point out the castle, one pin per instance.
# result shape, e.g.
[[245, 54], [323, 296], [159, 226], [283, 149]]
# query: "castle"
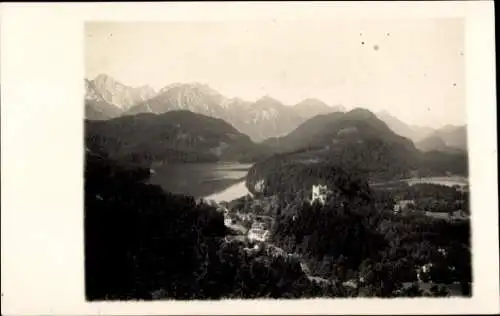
[[319, 193]]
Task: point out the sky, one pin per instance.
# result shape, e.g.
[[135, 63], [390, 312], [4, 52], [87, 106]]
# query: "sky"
[[414, 69]]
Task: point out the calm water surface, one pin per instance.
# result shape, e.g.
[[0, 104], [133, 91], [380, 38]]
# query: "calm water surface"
[[217, 181], [448, 181]]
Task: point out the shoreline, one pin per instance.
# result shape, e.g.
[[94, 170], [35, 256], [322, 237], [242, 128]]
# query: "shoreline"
[[442, 180], [231, 193]]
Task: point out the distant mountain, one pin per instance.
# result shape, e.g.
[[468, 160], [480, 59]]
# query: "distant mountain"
[[121, 95], [264, 118], [454, 136], [447, 139], [175, 136], [311, 107], [413, 132], [433, 142], [107, 98], [258, 120], [268, 116], [195, 97]]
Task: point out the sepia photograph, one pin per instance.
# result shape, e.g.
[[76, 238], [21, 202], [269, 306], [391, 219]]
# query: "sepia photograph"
[[253, 160], [249, 158]]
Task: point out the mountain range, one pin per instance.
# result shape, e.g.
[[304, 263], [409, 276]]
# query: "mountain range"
[[107, 98], [121, 95], [356, 140], [452, 137], [449, 138], [414, 132], [266, 120]]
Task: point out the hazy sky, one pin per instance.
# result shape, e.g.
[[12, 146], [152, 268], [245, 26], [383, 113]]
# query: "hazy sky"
[[412, 68]]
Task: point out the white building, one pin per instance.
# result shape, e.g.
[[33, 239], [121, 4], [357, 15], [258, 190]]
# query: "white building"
[[319, 193], [425, 269], [258, 235], [252, 250], [275, 251], [350, 283], [259, 186], [244, 217], [403, 205], [305, 268], [258, 225]]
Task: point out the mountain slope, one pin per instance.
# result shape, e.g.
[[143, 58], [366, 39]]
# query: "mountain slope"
[[175, 136], [268, 116], [264, 118], [91, 113], [96, 108], [433, 142], [413, 132], [447, 139], [197, 98], [356, 140], [311, 107], [121, 95], [454, 136], [360, 142], [128, 260], [167, 246], [333, 130]]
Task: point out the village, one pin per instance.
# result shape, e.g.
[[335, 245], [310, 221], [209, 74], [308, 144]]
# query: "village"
[[254, 226], [252, 229]]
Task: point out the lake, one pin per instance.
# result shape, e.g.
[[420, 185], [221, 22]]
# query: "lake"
[[216, 181], [448, 181]]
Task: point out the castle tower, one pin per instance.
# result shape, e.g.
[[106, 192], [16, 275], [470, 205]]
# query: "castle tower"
[[319, 193]]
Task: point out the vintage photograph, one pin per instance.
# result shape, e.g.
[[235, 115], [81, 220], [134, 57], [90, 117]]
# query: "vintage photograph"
[[276, 159]]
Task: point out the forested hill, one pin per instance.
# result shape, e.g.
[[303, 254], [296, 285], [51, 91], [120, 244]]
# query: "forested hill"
[[126, 221], [359, 142], [279, 176], [176, 136], [371, 162], [353, 237], [335, 130]]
